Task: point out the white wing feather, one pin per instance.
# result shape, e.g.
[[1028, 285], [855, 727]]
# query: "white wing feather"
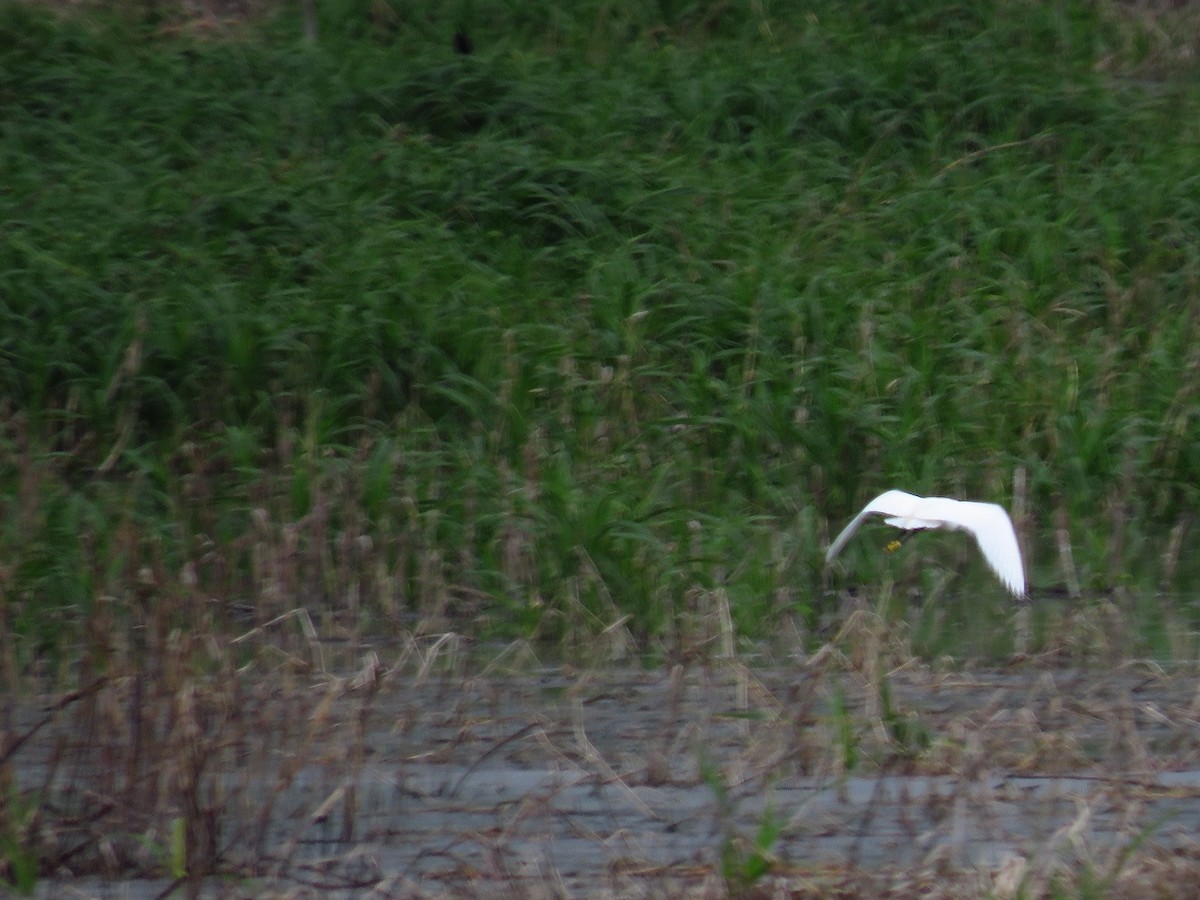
[[997, 539], [889, 503]]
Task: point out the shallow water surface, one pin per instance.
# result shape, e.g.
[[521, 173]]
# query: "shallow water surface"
[[620, 782]]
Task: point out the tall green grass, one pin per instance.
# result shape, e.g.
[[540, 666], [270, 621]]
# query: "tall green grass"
[[614, 318]]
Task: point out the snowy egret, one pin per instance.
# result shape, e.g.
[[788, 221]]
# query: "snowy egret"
[[989, 523]]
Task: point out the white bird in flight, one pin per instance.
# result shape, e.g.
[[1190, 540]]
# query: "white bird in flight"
[[989, 523]]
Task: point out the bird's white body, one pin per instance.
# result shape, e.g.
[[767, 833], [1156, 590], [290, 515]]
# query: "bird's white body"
[[988, 523]]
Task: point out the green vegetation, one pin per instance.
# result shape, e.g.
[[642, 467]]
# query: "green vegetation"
[[610, 322], [744, 859]]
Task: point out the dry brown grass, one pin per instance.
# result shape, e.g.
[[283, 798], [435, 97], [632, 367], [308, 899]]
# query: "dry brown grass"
[[294, 771]]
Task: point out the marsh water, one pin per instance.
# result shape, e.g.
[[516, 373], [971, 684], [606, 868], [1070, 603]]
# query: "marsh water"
[[561, 783]]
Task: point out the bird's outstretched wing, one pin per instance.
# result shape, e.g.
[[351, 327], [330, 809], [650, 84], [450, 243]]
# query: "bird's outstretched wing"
[[997, 539], [889, 503]]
